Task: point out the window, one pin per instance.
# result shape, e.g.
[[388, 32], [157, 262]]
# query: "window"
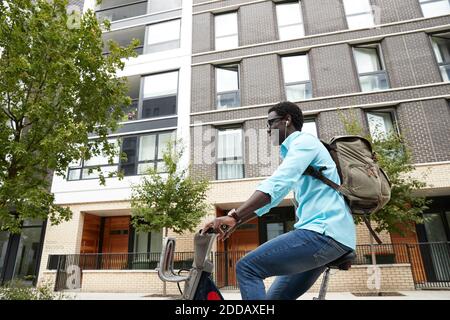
[[290, 22], [147, 242], [115, 10], [80, 170], [230, 163], [433, 8], [160, 95], [441, 47], [309, 126], [296, 78], [372, 75], [227, 86], [226, 31], [381, 124], [358, 14], [144, 152], [163, 5], [163, 36]]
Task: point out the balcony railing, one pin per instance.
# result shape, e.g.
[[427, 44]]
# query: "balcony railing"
[[430, 262], [123, 11]]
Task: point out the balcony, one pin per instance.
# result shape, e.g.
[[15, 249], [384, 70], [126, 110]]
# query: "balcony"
[[114, 10], [124, 37]]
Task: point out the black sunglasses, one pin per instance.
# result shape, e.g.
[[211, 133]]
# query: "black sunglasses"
[[272, 121]]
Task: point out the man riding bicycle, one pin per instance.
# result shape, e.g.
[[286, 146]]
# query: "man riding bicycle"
[[324, 230]]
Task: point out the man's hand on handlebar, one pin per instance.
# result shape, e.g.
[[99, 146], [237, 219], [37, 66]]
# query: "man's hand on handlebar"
[[224, 226]]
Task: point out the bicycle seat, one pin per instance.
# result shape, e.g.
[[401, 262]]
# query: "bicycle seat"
[[344, 262]]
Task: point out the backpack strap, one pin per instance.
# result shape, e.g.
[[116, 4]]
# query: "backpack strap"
[[374, 234], [311, 171]]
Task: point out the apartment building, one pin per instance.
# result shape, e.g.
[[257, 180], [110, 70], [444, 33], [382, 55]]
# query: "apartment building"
[[208, 71], [159, 85], [385, 62]]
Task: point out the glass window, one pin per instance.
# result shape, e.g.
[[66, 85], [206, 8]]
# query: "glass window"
[[381, 124], [290, 22], [149, 155], [227, 86], [309, 126], [358, 14], [296, 78], [226, 31], [163, 36], [140, 242], [160, 95], [274, 229], [114, 10], [441, 47], [163, 5], [372, 76], [80, 169], [230, 164], [4, 240], [433, 8], [27, 255]]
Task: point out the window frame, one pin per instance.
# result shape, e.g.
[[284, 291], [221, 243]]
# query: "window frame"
[[147, 46], [393, 115], [82, 167], [359, 14], [224, 128], [380, 59], [302, 22], [222, 66], [137, 162], [426, 2], [440, 64], [142, 99], [119, 164], [228, 35], [308, 83]]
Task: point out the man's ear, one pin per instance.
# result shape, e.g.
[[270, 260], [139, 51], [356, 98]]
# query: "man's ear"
[[288, 119]]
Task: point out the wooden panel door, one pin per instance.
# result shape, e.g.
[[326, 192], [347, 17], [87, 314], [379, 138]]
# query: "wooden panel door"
[[115, 242], [241, 241], [91, 234]]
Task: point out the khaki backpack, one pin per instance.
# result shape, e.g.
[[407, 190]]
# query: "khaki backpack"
[[364, 185]]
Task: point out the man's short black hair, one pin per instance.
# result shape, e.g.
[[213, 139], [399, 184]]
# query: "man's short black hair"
[[284, 108]]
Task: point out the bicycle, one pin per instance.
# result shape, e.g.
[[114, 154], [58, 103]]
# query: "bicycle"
[[199, 284]]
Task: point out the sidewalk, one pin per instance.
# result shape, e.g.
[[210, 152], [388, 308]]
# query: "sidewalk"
[[235, 295]]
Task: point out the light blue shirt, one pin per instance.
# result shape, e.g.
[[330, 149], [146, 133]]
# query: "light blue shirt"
[[320, 208]]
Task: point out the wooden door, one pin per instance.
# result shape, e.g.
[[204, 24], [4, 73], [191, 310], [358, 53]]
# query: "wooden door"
[[115, 242], [243, 240]]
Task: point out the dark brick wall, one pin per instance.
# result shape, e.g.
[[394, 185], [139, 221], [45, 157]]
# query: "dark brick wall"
[[321, 16], [261, 80], [408, 58], [332, 75], [425, 126], [203, 32], [257, 23]]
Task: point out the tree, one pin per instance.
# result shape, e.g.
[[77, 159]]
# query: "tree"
[[56, 88], [171, 200], [394, 157]]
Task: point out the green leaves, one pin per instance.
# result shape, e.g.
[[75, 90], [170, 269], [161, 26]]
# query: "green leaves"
[[56, 88], [173, 200]]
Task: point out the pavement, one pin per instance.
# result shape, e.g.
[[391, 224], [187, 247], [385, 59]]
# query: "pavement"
[[235, 295]]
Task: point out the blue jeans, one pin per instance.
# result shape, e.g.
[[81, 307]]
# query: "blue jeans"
[[297, 258]]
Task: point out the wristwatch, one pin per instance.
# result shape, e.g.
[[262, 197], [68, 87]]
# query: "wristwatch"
[[234, 215]]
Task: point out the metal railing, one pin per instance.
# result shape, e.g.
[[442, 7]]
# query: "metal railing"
[[430, 262]]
